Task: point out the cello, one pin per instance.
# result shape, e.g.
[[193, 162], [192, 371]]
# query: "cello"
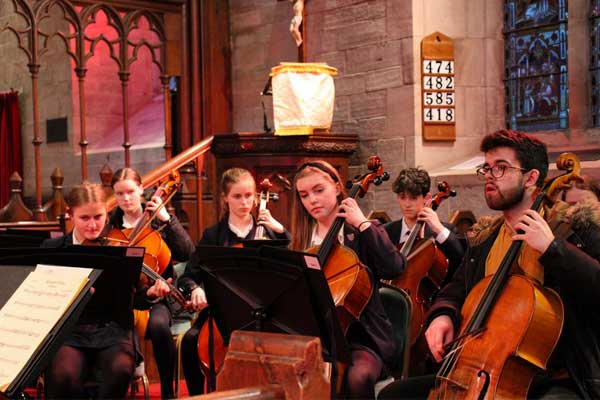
[[349, 281], [487, 359], [426, 269], [158, 254]]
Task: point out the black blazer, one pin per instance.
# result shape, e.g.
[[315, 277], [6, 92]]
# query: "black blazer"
[[379, 255], [218, 234], [453, 248]]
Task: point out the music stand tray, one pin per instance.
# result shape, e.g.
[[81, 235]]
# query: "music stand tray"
[[114, 268], [255, 243], [270, 289]]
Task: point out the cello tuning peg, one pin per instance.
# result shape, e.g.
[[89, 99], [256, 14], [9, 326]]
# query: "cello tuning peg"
[[452, 193], [385, 176]]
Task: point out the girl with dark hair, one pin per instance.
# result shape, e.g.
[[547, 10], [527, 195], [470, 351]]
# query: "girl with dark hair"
[[128, 189], [318, 200]]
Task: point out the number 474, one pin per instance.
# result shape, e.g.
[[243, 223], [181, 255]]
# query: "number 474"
[[438, 66]]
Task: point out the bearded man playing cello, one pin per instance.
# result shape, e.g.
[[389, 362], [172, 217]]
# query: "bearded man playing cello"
[[515, 167]]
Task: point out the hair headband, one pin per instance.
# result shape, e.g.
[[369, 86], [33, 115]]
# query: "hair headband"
[[318, 166]]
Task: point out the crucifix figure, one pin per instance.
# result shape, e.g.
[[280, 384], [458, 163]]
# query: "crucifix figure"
[[298, 7], [298, 27]]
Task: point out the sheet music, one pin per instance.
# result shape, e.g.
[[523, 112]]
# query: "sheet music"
[[31, 313]]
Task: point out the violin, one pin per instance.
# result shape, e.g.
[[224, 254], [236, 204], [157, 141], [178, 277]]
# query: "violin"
[[426, 269], [348, 279], [511, 309]]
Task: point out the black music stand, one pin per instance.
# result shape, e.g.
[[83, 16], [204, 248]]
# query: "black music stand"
[[116, 271], [271, 289], [22, 238], [256, 243]]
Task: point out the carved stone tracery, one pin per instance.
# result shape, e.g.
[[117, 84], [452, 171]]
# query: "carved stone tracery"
[[135, 27]]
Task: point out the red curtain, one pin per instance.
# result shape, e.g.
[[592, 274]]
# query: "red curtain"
[[11, 159]]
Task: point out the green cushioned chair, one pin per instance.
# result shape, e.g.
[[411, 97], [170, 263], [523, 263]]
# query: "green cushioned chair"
[[179, 327], [398, 306]]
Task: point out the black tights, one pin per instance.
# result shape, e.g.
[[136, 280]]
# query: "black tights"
[[362, 375], [194, 377], [70, 366], [159, 332]]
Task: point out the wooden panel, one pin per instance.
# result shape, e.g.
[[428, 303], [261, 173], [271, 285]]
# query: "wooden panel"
[[266, 155], [216, 68], [438, 97], [174, 43]]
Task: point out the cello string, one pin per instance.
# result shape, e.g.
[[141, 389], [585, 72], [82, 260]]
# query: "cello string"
[[451, 358]]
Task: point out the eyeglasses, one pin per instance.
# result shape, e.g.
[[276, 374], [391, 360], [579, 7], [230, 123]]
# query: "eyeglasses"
[[497, 171]]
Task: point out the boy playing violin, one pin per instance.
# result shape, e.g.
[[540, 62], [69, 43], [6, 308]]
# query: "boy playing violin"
[[412, 188]]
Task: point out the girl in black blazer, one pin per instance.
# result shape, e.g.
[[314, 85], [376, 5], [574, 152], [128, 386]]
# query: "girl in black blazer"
[[127, 185], [319, 199], [238, 194], [99, 338]]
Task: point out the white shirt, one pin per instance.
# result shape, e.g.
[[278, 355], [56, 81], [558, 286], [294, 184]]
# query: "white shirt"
[[75, 240], [440, 238], [315, 240], [241, 233]]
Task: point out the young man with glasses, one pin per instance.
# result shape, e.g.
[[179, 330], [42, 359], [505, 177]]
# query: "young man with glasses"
[[515, 167]]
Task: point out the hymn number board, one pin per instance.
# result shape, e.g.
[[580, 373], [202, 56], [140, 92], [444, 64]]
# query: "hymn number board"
[[438, 88]]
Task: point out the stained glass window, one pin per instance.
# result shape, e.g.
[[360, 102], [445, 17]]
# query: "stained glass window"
[[595, 59], [535, 37]]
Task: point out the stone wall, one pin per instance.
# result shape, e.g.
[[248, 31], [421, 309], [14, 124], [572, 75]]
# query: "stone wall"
[[476, 28], [375, 44], [54, 89], [259, 41], [371, 44]]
